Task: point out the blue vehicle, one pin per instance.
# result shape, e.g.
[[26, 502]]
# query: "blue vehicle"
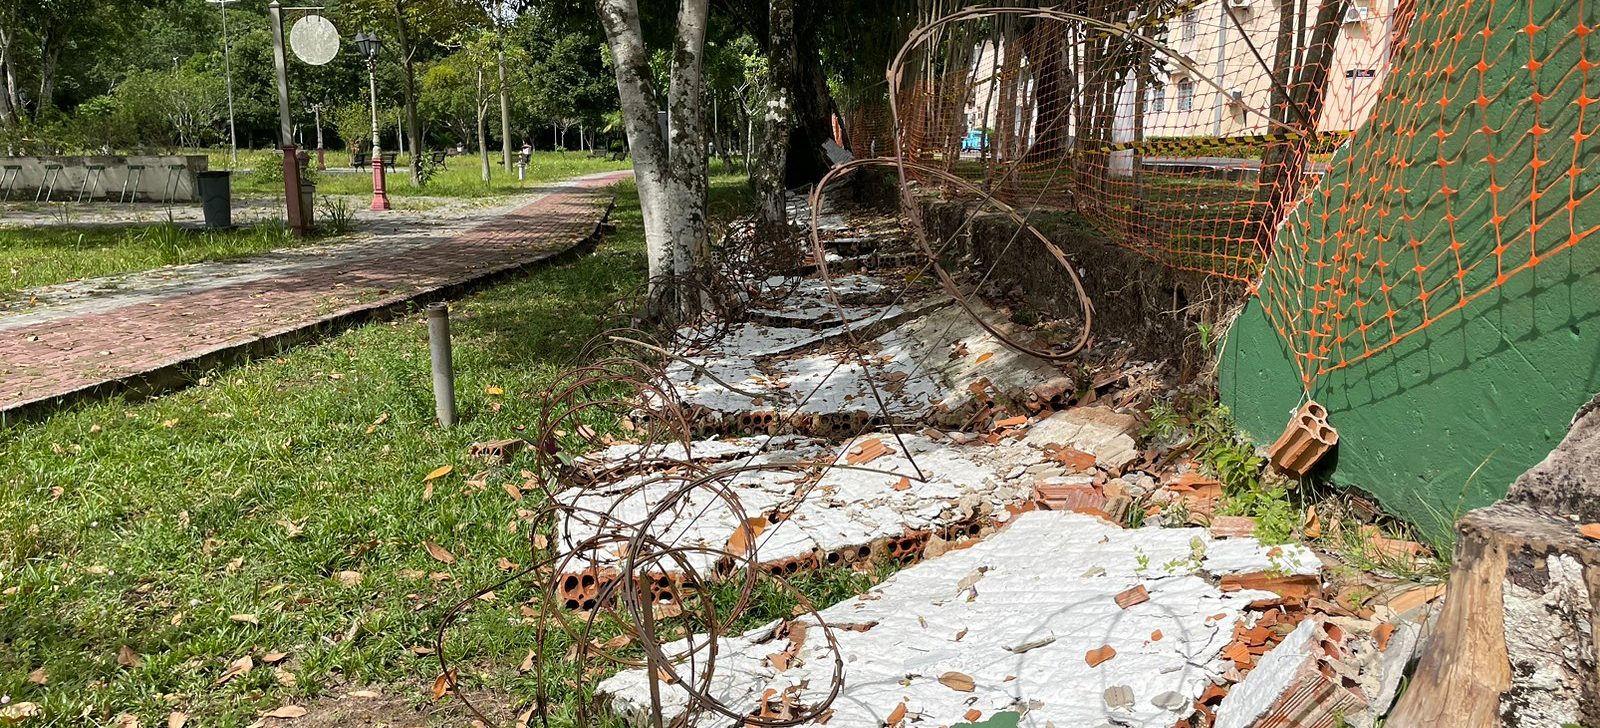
[[976, 140]]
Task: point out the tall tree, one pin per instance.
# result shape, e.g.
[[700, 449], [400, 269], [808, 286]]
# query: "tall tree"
[[778, 121], [416, 29], [670, 169]]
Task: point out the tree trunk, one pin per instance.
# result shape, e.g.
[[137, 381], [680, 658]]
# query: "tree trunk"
[[813, 103], [483, 130], [768, 177], [505, 103], [1283, 167], [50, 62], [637, 94], [688, 155], [408, 65], [8, 82]]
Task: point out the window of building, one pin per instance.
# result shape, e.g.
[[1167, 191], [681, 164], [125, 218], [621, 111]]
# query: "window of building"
[[1191, 24], [1185, 95], [1158, 98]]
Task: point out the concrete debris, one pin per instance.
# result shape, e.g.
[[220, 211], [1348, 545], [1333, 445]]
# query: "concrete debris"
[[1295, 684], [923, 623], [889, 508], [1098, 431], [943, 362]]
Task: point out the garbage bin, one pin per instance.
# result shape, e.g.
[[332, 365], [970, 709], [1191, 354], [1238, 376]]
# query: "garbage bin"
[[216, 198], [308, 203]]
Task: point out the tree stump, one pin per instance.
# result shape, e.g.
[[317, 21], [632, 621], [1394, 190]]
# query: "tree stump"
[[1515, 645]]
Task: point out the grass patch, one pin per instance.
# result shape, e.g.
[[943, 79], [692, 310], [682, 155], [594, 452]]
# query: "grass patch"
[[32, 257], [460, 176], [151, 525]]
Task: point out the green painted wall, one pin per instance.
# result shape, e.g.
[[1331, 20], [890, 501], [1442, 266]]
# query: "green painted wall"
[[1443, 421]]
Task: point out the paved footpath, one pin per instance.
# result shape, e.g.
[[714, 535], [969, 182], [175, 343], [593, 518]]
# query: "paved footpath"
[[96, 337]]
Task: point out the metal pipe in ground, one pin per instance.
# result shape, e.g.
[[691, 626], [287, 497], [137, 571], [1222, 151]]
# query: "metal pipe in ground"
[[444, 373]]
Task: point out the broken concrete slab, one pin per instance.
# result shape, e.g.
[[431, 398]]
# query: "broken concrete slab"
[[940, 363], [916, 487], [1099, 431], [1016, 613], [1290, 685]]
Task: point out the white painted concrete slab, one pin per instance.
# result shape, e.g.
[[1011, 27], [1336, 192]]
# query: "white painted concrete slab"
[[1016, 613]]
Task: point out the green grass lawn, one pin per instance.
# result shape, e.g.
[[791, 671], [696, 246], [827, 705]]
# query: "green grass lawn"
[[460, 177], [42, 256], [279, 506]]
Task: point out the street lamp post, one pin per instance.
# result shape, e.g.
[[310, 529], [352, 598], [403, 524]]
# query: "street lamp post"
[[227, 70], [322, 160], [369, 45]]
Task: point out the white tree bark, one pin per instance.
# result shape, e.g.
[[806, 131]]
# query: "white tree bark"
[[688, 153], [778, 122], [670, 173], [637, 93]]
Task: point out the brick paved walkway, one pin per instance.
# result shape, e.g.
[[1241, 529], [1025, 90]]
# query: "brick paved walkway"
[[138, 338]]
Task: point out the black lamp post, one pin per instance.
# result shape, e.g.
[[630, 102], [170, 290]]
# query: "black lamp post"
[[369, 46]]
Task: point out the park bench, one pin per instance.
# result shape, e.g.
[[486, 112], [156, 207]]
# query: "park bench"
[[388, 160], [437, 156], [360, 159]]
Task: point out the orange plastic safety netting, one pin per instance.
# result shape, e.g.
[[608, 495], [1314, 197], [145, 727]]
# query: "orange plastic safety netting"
[[1476, 168], [1202, 134], [1180, 130]]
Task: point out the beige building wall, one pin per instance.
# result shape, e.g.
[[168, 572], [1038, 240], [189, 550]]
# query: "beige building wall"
[[1187, 106], [1212, 40]]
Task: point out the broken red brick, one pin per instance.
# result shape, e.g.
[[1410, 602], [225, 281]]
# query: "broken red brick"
[[1232, 526], [1099, 655], [1131, 597], [1239, 653], [1304, 442], [1069, 496], [1298, 587], [1382, 635]]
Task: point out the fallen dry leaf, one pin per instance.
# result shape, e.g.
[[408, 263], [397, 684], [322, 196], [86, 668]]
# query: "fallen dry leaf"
[[439, 472], [363, 694], [493, 391], [985, 356], [287, 712], [441, 684], [1590, 531], [39, 677], [176, 719], [513, 491], [742, 537], [438, 553], [273, 658], [127, 720], [421, 651], [126, 657], [957, 681], [350, 578], [18, 712], [284, 677], [904, 484], [236, 668], [374, 426], [244, 618], [527, 663]]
